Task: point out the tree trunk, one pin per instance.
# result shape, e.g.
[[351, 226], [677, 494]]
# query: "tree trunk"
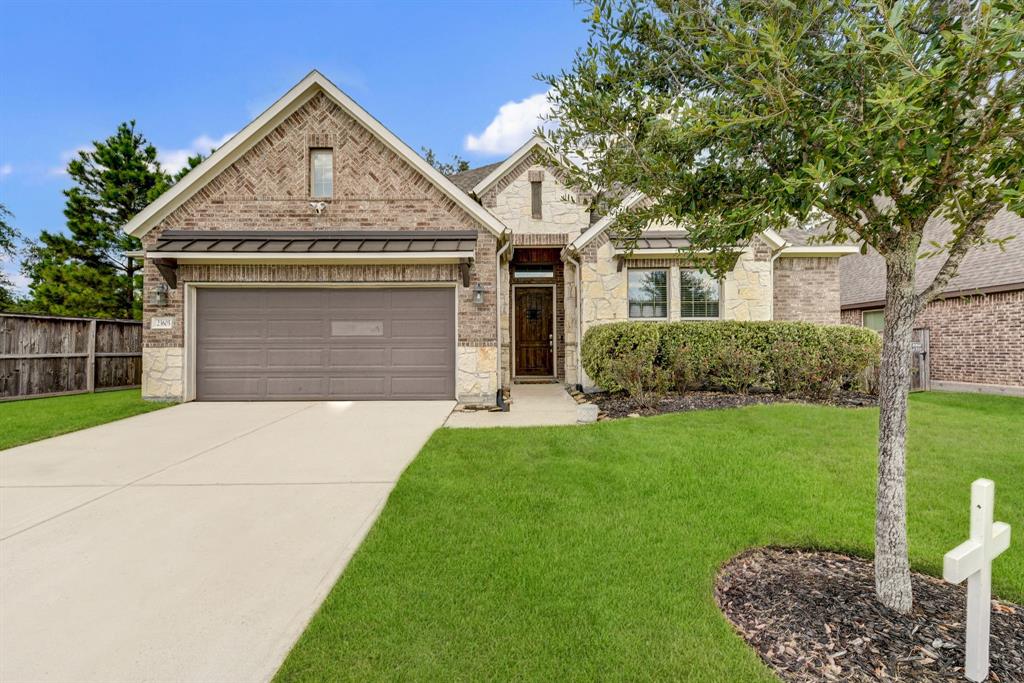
[[892, 564]]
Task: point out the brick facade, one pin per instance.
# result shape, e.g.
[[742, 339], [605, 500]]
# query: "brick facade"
[[972, 340], [806, 289], [374, 189]]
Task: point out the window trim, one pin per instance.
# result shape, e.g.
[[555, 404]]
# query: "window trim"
[[313, 153], [668, 290], [683, 269]]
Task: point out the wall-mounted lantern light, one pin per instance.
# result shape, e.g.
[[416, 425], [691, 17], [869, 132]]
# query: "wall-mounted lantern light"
[[478, 294], [159, 295]]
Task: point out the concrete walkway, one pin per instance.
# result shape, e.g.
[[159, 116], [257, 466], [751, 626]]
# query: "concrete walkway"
[[193, 543], [532, 405]]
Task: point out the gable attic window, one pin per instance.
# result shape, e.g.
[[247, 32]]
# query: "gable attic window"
[[536, 194], [321, 173]]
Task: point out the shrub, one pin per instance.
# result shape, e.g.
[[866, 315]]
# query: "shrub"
[[786, 357], [736, 367], [640, 378], [689, 369]]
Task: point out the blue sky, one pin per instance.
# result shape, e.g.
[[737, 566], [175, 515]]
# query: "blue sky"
[[454, 76]]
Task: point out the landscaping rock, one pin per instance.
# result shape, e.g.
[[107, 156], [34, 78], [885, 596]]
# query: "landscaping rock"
[[813, 616], [586, 413]]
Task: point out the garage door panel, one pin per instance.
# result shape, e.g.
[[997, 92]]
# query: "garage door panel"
[[233, 329], [233, 386], [421, 357], [229, 358], [358, 357], [419, 329], [295, 358], [301, 344], [296, 387], [426, 297], [420, 387], [364, 387], [308, 328]]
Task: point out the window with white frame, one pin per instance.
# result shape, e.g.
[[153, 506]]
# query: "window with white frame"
[[321, 173], [699, 294], [648, 292]]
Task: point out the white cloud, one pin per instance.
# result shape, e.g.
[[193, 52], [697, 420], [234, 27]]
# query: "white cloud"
[[173, 160], [5, 170], [65, 157], [513, 126]]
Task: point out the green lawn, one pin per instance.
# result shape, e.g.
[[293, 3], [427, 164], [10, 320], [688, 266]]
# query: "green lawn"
[[590, 552], [41, 418]]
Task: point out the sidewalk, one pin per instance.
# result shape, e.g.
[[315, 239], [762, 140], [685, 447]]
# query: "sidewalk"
[[532, 405]]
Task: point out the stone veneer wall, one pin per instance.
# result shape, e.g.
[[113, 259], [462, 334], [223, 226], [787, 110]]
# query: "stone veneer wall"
[[972, 339], [807, 289], [510, 200], [746, 290], [374, 189]]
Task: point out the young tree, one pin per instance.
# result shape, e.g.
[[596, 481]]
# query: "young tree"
[[8, 249], [86, 272], [456, 165], [867, 117]]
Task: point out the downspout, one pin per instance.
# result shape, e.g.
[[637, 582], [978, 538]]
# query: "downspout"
[[500, 398], [579, 320], [771, 272]]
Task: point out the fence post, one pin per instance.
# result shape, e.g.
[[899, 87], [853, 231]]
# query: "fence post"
[[90, 361]]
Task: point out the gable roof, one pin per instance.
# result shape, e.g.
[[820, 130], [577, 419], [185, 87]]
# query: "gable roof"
[[504, 167], [792, 241], [862, 277], [241, 142], [467, 180]]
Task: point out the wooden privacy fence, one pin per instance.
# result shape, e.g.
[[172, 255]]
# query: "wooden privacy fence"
[[49, 356]]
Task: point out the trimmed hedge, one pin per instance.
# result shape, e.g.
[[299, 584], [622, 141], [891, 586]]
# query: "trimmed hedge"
[[785, 357]]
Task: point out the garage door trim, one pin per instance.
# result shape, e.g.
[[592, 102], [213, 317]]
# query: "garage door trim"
[[191, 298]]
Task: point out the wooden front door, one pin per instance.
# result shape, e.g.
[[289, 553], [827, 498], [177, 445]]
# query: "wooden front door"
[[535, 331]]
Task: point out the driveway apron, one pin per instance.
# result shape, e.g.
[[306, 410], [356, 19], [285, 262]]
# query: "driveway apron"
[[193, 543]]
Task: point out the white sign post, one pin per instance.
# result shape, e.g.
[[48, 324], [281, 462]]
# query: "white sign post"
[[972, 560]]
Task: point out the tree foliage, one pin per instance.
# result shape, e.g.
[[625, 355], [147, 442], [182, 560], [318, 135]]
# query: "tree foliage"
[[456, 165], [9, 237], [864, 118], [86, 272]]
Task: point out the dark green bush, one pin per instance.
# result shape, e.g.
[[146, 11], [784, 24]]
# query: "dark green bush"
[[786, 357], [640, 378]]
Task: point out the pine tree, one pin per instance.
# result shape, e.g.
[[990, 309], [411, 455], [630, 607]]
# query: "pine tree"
[[87, 272]]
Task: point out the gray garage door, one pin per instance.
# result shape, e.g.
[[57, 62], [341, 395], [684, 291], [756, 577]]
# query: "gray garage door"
[[308, 344]]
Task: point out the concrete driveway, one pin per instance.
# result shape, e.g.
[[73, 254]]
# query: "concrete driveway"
[[193, 543]]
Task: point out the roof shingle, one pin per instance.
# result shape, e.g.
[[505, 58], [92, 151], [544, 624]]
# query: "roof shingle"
[[467, 180], [862, 277]]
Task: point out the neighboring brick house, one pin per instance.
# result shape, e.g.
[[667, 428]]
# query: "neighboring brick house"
[[976, 326], [317, 256]]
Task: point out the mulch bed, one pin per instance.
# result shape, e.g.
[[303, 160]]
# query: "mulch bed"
[[813, 616], [620, 405]]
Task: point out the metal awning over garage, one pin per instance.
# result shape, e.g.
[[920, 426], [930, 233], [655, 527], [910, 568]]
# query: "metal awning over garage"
[[315, 242], [175, 247]]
